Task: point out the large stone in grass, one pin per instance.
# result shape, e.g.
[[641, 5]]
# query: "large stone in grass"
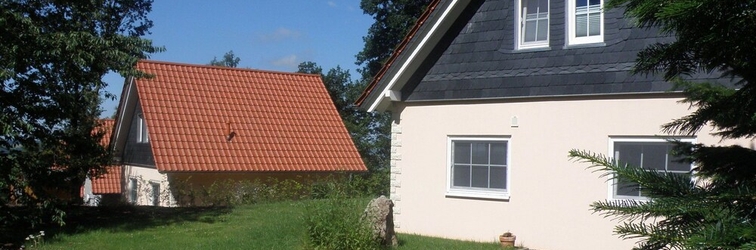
[[380, 216]]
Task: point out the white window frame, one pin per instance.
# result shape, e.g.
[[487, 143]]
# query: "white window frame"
[[478, 192], [519, 28], [572, 39], [143, 136], [612, 190]]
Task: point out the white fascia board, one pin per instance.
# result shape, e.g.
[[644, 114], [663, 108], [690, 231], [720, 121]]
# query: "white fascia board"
[[383, 100], [128, 99]]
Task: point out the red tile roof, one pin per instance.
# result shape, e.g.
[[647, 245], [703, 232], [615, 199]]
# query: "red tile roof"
[[280, 121], [110, 181]]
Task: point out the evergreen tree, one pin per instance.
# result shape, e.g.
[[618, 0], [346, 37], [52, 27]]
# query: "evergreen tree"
[[719, 210]]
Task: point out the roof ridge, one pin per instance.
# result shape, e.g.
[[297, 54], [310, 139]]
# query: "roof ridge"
[[224, 68]]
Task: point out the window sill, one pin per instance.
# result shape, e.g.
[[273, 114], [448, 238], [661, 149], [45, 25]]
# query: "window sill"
[[629, 198], [526, 50], [478, 194], [584, 45]]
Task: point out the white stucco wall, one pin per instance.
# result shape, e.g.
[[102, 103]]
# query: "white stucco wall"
[[550, 194], [145, 177]]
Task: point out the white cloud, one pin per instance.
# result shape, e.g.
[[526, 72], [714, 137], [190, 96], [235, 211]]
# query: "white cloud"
[[332, 3], [279, 34], [289, 61]]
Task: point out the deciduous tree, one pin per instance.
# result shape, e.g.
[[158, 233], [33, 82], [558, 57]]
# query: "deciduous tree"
[[360, 124], [229, 60], [53, 56], [393, 19]]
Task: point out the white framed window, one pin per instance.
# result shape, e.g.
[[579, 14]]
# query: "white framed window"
[[652, 154], [532, 23], [478, 167], [585, 21], [142, 136], [133, 186]]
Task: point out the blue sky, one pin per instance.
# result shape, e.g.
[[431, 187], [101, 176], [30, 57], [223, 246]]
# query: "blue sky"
[[265, 34]]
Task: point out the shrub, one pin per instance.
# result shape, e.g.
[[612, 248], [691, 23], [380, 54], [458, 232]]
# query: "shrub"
[[336, 222], [238, 192]]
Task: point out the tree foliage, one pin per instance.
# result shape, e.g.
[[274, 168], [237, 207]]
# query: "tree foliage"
[[393, 19], [52, 60], [717, 212], [229, 60]]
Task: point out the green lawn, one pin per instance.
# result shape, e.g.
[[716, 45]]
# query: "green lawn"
[[262, 226]]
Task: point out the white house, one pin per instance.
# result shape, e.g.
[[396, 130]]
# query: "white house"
[[488, 97]]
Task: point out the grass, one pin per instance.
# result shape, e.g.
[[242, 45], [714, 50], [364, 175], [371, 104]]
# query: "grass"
[[262, 226]]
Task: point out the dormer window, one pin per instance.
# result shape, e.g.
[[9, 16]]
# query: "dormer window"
[[585, 19], [142, 135], [533, 20]]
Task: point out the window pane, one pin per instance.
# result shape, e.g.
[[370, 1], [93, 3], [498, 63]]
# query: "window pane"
[[543, 6], [655, 156], [629, 153], [461, 176], [581, 23], [155, 194], [498, 177], [499, 153], [535, 20], [480, 176], [595, 2], [580, 3], [531, 6], [529, 34], [480, 153], [543, 27], [674, 165], [594, 24], [627, 188], [461, 152]]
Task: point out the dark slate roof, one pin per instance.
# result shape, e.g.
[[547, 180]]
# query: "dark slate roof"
[[477, 60]]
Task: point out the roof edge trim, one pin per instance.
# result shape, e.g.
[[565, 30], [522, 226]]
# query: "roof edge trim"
[[419, 53]]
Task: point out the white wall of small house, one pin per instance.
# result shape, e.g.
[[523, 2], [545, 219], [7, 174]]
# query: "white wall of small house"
[[550, 195], [145, 178]]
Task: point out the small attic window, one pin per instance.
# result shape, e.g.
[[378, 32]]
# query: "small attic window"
[[142, 135]]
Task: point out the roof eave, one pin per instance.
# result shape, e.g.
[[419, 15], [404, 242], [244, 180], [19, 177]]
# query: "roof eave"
[[387, 86]]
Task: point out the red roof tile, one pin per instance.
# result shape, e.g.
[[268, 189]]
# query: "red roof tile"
[[280, 121], [110, 181]]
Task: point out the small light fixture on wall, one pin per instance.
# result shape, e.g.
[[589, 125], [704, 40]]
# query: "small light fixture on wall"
[[515, 123]]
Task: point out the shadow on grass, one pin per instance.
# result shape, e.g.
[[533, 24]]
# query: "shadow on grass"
[[81, 219]]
